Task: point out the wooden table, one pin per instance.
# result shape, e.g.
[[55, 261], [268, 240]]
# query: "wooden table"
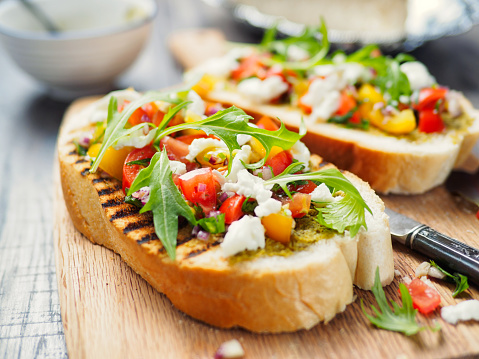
[[30, 320]]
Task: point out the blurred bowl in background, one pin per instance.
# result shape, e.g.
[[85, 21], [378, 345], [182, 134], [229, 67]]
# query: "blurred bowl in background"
[[98, 40]]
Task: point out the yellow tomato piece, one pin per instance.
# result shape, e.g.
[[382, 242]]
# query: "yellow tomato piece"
[[368, 93], [205, 85], [258, 150], [278, 227], [192, 117], [274, 151], [219, 157], [112, 161], [400, 124]]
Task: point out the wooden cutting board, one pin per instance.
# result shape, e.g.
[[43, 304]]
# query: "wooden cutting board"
[[109, 311]]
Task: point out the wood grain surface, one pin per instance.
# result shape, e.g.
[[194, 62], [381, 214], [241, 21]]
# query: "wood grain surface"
[[109, 311]]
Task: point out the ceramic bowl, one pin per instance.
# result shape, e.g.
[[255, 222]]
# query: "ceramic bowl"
[[98, 40]]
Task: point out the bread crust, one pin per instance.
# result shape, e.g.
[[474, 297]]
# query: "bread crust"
[[388, 164], [267, 294]]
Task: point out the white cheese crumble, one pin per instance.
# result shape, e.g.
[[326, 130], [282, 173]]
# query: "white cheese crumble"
[[417, 74], [467, 310], [454, 106], [99, 109], [177, 167], [242, 155], [139, 138], [262, 91], [246, 233], [426, 269], [198, 145], [301, 153], [323, 97], [322, 194], [243, 139], [229, 350], [198, 105], [296, 53]]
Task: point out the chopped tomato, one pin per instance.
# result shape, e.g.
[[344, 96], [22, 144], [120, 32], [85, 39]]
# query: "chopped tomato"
[[424, 298], [278, 227], [248, 67], [299, 204], [307, 109], [279, 162], [267, 123], [147, 113], [347, 103], [131, 171], [303, 188], [190, 138], [232, 208], [430, 121], [199, 187], [429, 97]]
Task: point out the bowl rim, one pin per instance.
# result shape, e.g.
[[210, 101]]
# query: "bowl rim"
[[78, 34]]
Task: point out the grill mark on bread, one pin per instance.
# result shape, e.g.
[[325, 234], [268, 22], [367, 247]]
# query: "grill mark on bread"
[[147, 238], [114, 202], [81, 160], [109, 190], [137, 224], [85, 171], [99, 180], [124, 212], [73, 152]]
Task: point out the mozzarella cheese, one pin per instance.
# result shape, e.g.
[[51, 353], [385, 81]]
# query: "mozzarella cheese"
[[321, 194], [262, 91], [246, 233], [200, 144], [139, 138], [467, 310]]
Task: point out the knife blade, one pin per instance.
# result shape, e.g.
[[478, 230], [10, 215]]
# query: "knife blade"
[[445, 250]]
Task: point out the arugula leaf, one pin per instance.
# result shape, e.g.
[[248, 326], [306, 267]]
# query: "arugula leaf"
[[116, 121], [459, 279], [143, 162], [399, 319], [347, 213], [82, 151], [229, 123], [215, 224], [172, 111], [394, 82], [165, 202]]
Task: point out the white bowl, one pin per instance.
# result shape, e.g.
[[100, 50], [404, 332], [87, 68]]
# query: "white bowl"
[[99, 39]]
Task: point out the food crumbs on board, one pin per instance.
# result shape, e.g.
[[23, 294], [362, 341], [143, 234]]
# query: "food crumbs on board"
[[230, 349]]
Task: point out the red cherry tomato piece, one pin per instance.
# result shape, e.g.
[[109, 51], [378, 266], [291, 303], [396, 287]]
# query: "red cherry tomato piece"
[[199, 187], [428, 98], [424, 298], [232, 208], [299, 204], [267, 123], [249, 66], [279, 162], [346, 103], [131, 171], [303, 188], [430, 121]]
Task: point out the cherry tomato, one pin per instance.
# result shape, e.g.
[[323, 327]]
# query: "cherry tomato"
[[199, 187], [424, 298], [190, 138], [346, 103], [248, 67], [298, 205], [428, 98], [131, 171], [147, 113], [279, 162], [232, 208], [430, 121], [267, 123], [303, 188]]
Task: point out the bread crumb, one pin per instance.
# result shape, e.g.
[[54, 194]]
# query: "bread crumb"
[[230, 349], [397, 273]]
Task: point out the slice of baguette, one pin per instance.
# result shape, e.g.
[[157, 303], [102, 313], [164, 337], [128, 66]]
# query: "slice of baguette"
[[389, 164], [264, 294]]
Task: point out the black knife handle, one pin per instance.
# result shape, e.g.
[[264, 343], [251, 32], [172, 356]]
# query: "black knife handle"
[[456, 255]]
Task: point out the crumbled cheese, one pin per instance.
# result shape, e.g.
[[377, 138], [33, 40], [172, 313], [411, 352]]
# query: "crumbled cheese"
[[301, 153], [321, 194], [198, 105], [262, 91], [467, 310], [422, 269], [435, 273], [407, 280], [198, 145], [229, 350], [243, 139], [397, 273], [351, 72], [252, 186], [242, 155], [139, 138], [417, 74], [428, 282], [246, 233], [324, 70], [296, 53], [453, 100], [177, 167], [219, 177], [323, 97]]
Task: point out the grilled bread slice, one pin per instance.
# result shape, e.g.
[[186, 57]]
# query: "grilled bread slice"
[[271, 291]]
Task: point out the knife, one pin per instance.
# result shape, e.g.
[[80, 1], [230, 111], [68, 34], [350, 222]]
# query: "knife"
[[456, 255]]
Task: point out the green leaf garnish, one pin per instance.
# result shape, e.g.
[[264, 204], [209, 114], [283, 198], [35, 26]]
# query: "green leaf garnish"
[[459, 279], [215, 224], [228, 124], [82, 151], [399, 319], [347, 213], [166, 202], [144, 162]]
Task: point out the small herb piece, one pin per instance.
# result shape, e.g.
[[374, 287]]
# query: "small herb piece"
[[347, 213], [344, 119], [134, 201], [82, 151], [143, 162], [459, 279], [166, 201], [249, 206], [399, 319], [214, 224]]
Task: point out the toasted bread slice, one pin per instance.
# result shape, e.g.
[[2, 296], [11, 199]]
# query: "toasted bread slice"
[[271, 292]]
